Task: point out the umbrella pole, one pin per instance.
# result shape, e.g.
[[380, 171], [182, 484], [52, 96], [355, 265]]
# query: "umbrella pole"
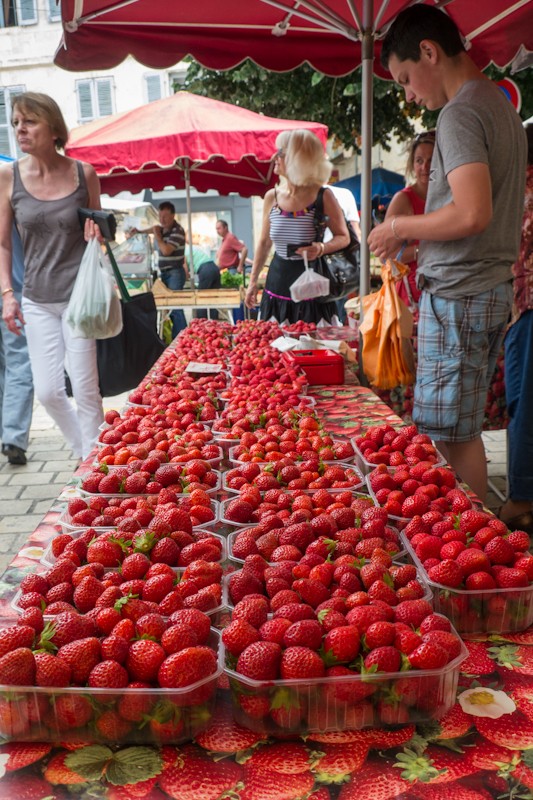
[[189, 225], [367, 52]]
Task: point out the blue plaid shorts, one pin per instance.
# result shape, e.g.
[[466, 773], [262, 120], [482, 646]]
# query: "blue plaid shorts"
[[458, 344]]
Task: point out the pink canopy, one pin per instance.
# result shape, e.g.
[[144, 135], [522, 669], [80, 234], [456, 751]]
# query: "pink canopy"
[[182, 138], [277, 34]]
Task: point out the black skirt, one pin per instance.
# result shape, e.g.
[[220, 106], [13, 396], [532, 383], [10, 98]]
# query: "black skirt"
[[276, 301]]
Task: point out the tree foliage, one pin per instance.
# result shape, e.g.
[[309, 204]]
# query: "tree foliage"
[[307, 94]]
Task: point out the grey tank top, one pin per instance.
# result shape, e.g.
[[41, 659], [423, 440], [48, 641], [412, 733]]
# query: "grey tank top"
[[52, 240]]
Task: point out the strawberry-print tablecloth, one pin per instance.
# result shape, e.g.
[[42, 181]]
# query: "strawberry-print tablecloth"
[[461, 757]]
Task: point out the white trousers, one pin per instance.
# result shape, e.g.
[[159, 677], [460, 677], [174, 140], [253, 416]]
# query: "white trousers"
[[52, 349]]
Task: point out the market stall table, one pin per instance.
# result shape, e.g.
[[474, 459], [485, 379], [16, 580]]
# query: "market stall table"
[[462, 756]]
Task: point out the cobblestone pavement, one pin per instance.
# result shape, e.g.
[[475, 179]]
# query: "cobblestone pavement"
[[27, 493]]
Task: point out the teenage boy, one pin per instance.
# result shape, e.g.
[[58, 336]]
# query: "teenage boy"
[[469, 235]]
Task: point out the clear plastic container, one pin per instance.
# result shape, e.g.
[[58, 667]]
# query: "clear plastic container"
[[214, 613], [352, 467], [213, 462], [399, 522], [48, 559], [233, 535], [334, 704], [235, 462], [476, 611], [367, 466], [38, 714], [212, 490], [65, 521]]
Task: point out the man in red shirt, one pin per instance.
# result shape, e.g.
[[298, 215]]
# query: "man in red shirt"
[[232, 252]]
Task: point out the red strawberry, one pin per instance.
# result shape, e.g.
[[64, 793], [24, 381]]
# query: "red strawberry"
[[81, 655], [193, 772], [186, 667], [51, 670], [447, 573], [238, 635], [17, 668], [16, 636], [144, 659], [260, 661], [23, 754]]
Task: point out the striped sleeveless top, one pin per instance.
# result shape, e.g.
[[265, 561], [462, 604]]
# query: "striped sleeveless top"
[[291, 227]]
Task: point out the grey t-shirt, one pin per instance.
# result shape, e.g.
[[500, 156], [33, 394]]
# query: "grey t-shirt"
[[479, 125]]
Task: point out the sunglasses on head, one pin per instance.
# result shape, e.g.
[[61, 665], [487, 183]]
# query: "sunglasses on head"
[[425, 136], [279, 153]]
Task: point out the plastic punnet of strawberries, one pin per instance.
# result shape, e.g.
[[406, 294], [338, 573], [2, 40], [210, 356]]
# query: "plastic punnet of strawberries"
[[406, 492], [383, 444], [286, 473], [149, 476], [304, 657], [162, 513], [156, 586], [481, 572], [348, 529], [105, 677]]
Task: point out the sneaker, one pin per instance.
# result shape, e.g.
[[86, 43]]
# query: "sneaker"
[[15, 455]]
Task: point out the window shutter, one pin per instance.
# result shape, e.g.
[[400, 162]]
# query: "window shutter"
[[54, 10], [85, 100], [27, 12], [8, 144], [105, 101], [5, 144], [153, 87]]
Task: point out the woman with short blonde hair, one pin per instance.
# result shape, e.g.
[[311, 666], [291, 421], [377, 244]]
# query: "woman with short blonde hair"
[[289, 224]]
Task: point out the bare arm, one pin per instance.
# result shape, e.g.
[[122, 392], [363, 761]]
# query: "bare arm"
[[400, 205], [469, 213], [11, 313], [242, 258], [336, 224], [261, 251]]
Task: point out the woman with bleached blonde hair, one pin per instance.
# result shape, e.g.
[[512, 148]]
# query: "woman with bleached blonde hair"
[[289, 224]]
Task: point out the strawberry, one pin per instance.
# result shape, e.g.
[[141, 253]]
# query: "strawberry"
[[412, 612], [72, 711], [428, 655], [21, 755], [513, 731], [186, 667], [16, 636], [260, 661], [57, 771], [224, 735], [134, 706], [28, 787], [447, 573], [195, 776], [197, 620], [51, 670], [144, 659], [238, 635], [17, 667], [108, 674], [341, 645], [81, 655]]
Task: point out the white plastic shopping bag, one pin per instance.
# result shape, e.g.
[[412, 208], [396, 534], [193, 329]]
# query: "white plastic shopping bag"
[[94, 310], [309, 284]]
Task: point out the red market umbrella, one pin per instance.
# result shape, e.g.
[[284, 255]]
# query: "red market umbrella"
[[277, 34], [334, 36], [184, 139]]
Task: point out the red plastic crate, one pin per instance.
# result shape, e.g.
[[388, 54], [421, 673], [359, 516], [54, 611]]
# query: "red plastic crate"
[[320, 366]]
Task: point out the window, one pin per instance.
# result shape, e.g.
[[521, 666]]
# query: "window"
[[95, 98], [153, 89], [54, 11], [26, 12], [8, 144]]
